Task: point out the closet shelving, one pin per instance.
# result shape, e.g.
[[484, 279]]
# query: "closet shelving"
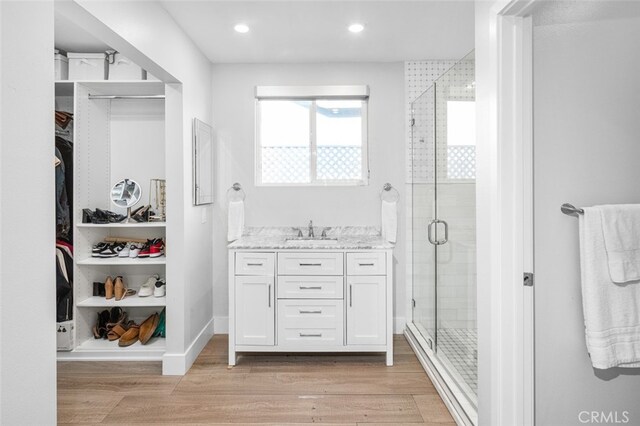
[[119, 131]]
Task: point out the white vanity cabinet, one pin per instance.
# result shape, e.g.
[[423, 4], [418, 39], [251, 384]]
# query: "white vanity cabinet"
[[320, 300]]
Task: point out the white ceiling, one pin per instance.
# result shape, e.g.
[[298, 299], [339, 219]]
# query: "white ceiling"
[[316, 31]]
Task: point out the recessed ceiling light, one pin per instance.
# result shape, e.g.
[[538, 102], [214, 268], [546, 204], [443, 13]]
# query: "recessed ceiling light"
[[356, 28], [241, 28]]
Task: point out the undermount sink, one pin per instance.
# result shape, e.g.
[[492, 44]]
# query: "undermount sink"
[[311, 240]]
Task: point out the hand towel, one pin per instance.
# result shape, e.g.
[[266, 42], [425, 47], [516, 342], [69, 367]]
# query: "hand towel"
[[389, 220], [621, 229], [611, 314], [236, 220]]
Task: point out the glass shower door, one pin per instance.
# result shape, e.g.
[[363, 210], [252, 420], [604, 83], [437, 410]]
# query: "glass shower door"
[[444, 229], [423, 178]]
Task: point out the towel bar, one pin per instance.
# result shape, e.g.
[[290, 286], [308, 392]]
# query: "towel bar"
[[570, 210]]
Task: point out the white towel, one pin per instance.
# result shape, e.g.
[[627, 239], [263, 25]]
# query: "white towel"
[[389, 220], [621, 228], [236, 220], [611, 311]]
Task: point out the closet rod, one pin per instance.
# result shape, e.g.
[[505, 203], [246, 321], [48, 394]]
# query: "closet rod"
[[126, 96]]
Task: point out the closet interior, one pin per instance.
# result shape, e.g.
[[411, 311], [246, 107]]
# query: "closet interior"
[[117, 132]]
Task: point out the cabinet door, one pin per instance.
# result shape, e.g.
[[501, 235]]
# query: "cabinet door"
[[255, 310], [366, 310]]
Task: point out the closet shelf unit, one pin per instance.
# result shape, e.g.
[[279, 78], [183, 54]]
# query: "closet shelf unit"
[[119, 132], [104, 350], [128, 302], [117, 261], [123, 225]]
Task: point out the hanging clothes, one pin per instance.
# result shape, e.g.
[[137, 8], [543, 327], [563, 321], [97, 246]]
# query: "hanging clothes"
[[66, 149], [64, 283]]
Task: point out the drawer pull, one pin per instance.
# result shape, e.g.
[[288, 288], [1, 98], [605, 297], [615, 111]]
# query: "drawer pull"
[[315, 287], [310, 334], [311, 264], [269, 295], [366, 264], [319, 311], [255, 264], [350, 295]]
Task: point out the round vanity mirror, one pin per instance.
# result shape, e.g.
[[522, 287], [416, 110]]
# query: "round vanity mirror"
[[126, 194]]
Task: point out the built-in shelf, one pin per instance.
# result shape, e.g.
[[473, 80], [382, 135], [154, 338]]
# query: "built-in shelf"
[[127, 302], [104, 350], [118, 261], [124, 225]]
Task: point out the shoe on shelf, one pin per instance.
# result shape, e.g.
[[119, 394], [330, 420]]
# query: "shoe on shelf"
[[121, 290], [100, 329], [126, 250], [160, 289], [147, 289], [148, 327], [130, 336], [145, 250], [156, 248], [116, 316], [118, 331], [110, 216], [141, 214], [108, 288], [97, 248], [112, 250], [98, 289], [162, 324], [134, 250]]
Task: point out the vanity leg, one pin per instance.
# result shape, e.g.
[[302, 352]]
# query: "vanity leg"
[[390, 356], [232, 356]]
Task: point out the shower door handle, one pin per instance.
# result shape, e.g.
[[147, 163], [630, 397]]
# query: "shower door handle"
[[446, 232]]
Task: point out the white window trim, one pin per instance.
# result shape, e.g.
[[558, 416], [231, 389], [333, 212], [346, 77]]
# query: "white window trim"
[[313, 93]]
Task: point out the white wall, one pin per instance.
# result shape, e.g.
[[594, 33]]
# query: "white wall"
[[587, 146], [27, 225], [233, 121], [146, 33]]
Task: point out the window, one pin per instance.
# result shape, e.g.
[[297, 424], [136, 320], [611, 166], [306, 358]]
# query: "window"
[[306, 139], [461, 140]]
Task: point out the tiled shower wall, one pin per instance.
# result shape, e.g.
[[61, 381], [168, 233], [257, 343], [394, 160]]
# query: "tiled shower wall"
[[456, 199]]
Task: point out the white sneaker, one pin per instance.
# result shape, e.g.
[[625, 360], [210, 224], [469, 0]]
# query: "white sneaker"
[[125, 251], [134, 250], [160, 289], [147, 289]]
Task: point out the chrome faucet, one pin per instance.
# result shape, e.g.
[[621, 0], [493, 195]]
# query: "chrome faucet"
[[311, 234]]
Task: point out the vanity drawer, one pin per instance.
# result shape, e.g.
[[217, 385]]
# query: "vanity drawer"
[[255, 263], [366, 263], [310, 264], [308, 323], [310, 287]]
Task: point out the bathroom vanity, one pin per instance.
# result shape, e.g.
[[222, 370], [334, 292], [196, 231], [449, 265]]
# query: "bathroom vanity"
[[295, 294]]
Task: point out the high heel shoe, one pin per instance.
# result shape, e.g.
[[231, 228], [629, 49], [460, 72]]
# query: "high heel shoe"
[[121, 291], [108, 288]]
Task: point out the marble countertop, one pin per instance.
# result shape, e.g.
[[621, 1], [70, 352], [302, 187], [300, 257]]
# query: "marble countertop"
[[348, 237]]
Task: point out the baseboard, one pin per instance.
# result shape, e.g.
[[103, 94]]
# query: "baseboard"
[[222, 325], [179, 364]]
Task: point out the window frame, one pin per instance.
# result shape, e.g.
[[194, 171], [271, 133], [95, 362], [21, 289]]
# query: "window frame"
[[313, 94]]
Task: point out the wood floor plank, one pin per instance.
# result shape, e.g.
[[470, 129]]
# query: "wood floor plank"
[[319, 383], [110, 368], [85, 407], [432, 409], [279, 409], [120, 384]]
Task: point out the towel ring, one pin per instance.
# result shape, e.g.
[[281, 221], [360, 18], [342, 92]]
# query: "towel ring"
[[236, 193], [389, 193]]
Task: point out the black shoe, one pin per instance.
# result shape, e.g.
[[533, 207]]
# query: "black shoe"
[[110, 216], [98, 289], [112, 250], [141, 214]]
